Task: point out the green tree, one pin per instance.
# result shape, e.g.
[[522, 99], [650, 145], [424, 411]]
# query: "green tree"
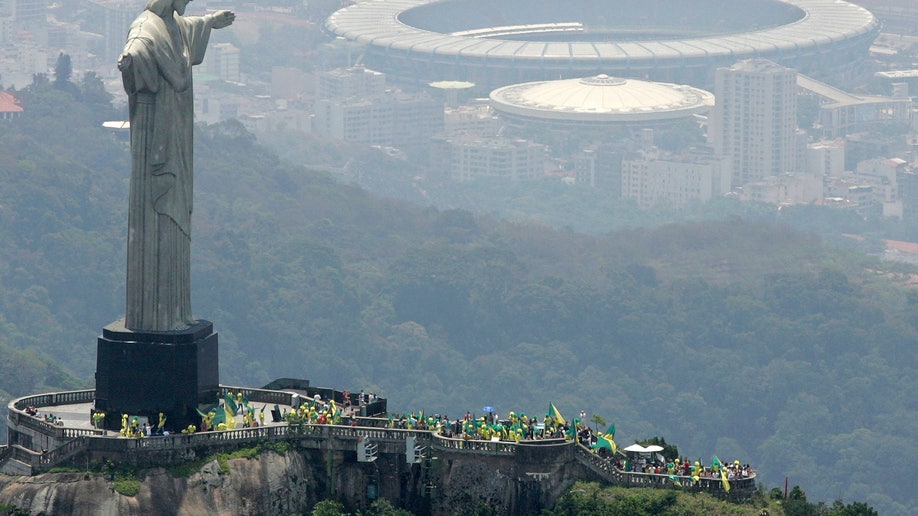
[[383, 507], [94, 95], [598, 422], [328, 508], [63, 69], [852, 509]]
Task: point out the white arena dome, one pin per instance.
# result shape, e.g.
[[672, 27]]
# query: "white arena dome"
[[600, 100]]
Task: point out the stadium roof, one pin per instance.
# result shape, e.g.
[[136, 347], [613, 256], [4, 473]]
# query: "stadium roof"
[[600, 99], [822, 23]]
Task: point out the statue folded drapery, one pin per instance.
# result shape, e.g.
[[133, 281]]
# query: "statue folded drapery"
[[162, 46]]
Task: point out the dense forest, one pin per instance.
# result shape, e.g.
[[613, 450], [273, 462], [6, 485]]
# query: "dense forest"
[[739, 337], [595, 500]]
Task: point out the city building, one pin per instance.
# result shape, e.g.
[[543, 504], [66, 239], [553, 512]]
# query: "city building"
[[468, 157], [110, 21], [825, 158], [390, 119], [842, 113], [20, 62], [9, 106], [355, 105], [755, 119], [223, 62], [783, 190], [599, 166], [882, 175], [28, 12], [353, 82], [476, 118], [907, 179], [653, 177]]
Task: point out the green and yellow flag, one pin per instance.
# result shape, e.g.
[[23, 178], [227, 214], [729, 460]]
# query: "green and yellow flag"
[[555, 414], [605, 441], [723, 479], [229, 409], [218, 416]]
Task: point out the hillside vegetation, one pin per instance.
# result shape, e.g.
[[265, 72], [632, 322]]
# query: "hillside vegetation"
[[747, 339]]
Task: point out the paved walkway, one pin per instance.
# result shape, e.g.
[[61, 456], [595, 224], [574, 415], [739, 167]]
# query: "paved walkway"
[[77, 416]]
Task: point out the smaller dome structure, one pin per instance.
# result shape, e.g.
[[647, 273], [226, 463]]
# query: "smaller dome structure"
[[599, 100]]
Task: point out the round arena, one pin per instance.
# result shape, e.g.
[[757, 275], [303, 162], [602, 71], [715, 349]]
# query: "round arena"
[[497, 43]]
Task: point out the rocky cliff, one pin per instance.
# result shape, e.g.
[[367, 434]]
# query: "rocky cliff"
[[454, 482], [269, 484]]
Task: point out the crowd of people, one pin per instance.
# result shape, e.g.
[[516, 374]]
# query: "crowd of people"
[[517, 427], [317, 412], [683, 467], [51, 419]]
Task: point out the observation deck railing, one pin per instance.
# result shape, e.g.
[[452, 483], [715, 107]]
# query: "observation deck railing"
[[474, 446], [332, 437]]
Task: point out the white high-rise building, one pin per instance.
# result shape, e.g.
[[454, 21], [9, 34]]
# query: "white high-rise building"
[[652, 177], [110, 19], [355, 104], [26, 12], [826, 158], [468, 157], [223, 61], [346, 83], [755, 119]]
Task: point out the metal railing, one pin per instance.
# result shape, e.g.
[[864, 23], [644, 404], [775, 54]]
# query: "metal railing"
[[54, 398], [474, 445], [342, 437], [608, 472], [21, 419]]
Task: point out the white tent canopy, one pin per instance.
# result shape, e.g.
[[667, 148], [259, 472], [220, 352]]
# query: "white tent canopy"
[[640, 449]]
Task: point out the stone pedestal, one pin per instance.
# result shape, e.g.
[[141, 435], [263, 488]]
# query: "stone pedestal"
[[144, 373]]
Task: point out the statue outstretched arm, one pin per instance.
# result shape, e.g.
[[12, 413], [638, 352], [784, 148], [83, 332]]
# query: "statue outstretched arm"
[[221, 19]]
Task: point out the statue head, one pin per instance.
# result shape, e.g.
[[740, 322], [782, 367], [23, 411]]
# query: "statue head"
[[162, 7]]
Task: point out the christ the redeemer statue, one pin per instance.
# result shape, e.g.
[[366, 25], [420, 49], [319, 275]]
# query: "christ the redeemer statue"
[[162, 46]]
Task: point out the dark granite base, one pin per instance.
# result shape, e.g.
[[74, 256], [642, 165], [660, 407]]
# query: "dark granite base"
[[144, 373]]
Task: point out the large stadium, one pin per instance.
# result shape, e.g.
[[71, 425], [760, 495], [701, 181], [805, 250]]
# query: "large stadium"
[[495, 43]]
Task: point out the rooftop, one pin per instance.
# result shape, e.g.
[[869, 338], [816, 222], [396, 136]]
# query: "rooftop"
[[601, 99], [821, 24], [9, 104]]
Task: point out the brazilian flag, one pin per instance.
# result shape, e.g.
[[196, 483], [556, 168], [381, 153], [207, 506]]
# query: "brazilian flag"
[[605, 441], [723, 479], [230, 404], [555, 414], [229, 409], [219, 417]]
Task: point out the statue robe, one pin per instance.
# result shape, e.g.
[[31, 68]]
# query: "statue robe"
[[159, 86]]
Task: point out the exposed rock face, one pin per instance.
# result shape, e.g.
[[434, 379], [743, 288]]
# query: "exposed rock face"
[[456, 483], [506, 485], [269, 484]]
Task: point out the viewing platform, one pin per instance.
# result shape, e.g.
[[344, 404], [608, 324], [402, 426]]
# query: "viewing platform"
[[36, 445]]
